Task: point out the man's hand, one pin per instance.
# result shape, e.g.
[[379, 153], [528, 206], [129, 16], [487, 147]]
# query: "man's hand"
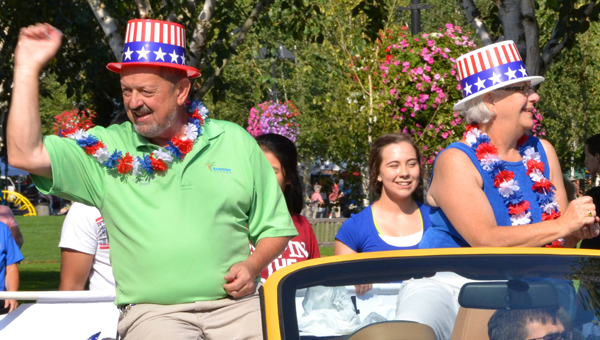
[[37, 45], [240, 280], [11, 305]]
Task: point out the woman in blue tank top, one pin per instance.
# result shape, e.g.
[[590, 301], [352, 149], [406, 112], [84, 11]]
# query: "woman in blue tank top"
[[498, 186], [397, 220]]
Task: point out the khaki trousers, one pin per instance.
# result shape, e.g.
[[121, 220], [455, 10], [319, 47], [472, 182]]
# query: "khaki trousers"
[[203, 320]]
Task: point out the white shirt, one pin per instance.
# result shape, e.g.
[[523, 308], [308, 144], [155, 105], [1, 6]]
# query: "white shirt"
[[84, 231]]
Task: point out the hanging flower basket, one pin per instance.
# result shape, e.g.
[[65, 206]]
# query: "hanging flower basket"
[[278, 118]]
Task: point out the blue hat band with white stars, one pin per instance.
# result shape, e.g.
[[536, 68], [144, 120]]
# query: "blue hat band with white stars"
[[493, 76], [155, 52]]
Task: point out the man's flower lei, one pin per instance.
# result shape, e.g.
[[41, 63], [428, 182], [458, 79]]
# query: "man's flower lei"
[[158, 161], [508, 187]]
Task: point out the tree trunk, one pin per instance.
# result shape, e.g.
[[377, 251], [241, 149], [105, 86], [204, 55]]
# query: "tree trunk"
[[474, 18], [202, 28], [109, 26], [144, 8], [209, 83]]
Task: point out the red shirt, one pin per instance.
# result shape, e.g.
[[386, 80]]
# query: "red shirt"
[[300, 248]]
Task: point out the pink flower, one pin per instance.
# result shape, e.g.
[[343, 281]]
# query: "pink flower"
[[425, 147], [392, 92], [423, 98], [452, 72], [427, 68], [437, 76], [449, 26], [419, 86], [446, 49], [444, 135], [426, 78], [430, 43], [403, 109]]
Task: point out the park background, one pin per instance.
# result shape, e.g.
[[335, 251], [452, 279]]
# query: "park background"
[[346, 72]]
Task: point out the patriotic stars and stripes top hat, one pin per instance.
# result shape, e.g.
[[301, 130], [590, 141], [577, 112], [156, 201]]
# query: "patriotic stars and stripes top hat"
[[154, 43], [490, 68]]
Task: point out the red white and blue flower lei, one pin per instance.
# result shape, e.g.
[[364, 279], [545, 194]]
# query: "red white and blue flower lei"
[[508, 187], [158, 161]]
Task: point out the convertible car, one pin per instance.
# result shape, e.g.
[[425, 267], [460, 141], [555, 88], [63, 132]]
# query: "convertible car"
[[431, 294]]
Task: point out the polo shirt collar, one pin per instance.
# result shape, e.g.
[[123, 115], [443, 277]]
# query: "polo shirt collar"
[[209, 131]]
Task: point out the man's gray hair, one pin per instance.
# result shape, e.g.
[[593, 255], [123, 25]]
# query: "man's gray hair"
[[476, 111]]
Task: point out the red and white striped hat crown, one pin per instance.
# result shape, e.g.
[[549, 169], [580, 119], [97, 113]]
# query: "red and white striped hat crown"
[[490, 68], [154, 43]]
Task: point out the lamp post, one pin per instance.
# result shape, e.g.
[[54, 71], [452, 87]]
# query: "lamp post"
[[415, 8], [282, 53]]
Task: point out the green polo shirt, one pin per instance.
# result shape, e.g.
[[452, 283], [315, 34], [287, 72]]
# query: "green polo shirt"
[[173, 238]]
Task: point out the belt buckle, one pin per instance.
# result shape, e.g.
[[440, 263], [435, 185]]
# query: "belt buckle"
[[123, 310]]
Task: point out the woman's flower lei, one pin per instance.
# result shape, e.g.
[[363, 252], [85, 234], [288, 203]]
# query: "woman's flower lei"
[[508, 187], [156, 162]]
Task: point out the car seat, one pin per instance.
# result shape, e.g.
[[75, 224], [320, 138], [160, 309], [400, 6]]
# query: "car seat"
[[472, 324], [394, 330]]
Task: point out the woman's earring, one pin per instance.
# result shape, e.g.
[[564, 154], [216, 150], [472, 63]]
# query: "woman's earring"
[[379, 179], [494, 112]]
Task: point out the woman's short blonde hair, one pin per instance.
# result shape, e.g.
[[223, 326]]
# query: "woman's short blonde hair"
[[476, 111]]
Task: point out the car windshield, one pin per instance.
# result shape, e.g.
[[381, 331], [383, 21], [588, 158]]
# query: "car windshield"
[[445, 297]]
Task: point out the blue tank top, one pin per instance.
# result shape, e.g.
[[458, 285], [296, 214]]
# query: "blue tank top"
[[360, 234], [442, 233]]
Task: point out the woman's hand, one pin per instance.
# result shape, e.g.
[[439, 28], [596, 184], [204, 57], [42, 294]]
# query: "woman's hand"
[[363, 289], [588, 231], [580, 218]]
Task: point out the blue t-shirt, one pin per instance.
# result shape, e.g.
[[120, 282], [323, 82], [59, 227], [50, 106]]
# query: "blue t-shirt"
[[9, 252], [443, 234], [360, 234]]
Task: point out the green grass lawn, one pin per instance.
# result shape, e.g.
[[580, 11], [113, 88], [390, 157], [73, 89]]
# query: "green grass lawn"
[[40, 270]]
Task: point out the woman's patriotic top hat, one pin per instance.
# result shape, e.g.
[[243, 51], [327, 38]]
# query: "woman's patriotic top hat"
[[154, 43], [490, 68]]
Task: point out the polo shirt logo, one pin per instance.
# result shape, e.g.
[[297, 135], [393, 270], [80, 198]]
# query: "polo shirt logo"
[[211, 166]]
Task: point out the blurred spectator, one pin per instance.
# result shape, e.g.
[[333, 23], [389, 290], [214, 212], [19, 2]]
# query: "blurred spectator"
[[7, 217], [592, 163], [570, 189], [85, 251], [318, 202], [10, 255], [333, 200]]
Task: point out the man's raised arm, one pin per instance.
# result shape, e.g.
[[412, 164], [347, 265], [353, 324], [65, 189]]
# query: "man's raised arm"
[[37, 45]]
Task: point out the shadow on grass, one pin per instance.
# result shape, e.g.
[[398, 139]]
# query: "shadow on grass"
[[39, 280], [39, 276]]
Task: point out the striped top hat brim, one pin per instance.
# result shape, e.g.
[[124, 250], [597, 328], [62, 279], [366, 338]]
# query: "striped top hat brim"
[[490, 68], [155, 43]]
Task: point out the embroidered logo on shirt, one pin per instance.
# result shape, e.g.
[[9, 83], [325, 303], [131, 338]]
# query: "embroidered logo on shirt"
[[102, 234], [211, 166]]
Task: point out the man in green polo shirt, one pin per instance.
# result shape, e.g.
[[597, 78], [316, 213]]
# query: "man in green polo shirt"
[[181, 195]]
